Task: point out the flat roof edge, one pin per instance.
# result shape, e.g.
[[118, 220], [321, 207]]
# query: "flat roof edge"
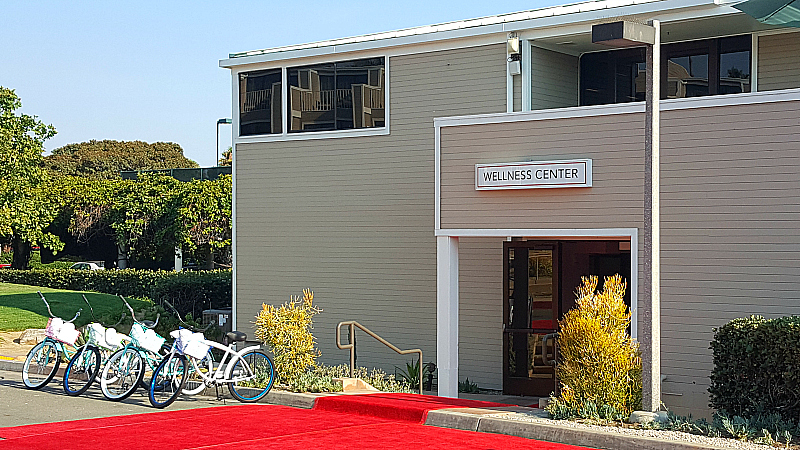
[[551, 16]]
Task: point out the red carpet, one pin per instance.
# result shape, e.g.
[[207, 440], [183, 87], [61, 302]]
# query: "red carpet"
[[254, 427], [405, 407]]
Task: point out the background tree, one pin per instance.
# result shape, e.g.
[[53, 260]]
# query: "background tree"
[[23, 215], [106, 159], [227, 157]]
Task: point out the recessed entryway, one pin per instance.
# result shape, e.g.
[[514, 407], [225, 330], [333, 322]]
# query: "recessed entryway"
[[540, 278]]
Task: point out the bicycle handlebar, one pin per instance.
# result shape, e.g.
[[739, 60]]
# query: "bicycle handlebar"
[[186, 325], [52, 316], [94, 319], [158, 315]]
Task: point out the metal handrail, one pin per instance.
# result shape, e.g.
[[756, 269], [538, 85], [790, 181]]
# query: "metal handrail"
[[351, 324]]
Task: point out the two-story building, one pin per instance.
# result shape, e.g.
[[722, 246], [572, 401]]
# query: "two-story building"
[[400, 176]]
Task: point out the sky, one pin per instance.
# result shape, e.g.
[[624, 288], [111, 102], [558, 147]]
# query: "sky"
[[149, 70]]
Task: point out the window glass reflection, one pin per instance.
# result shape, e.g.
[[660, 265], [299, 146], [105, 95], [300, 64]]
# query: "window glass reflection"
[[687, 76], [337, 96], [260, 102], [734, 72]]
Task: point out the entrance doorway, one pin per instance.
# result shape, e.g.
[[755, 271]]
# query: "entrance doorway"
[[540, 279]]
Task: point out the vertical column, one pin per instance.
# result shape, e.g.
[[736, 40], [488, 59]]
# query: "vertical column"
[[651, 311], [527, 86], [178, 259], [447, 315]]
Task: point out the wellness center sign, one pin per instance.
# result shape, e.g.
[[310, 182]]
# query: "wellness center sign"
[[534, 174]]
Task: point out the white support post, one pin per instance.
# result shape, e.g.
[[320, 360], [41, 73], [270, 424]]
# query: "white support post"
[[178, 259], [447, 315], [527, 86]]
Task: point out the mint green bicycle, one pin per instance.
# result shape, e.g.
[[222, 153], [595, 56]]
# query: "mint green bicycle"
[[128, 367], [43, 360]]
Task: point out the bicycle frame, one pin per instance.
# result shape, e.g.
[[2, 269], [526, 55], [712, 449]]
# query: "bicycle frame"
[[221, 376]]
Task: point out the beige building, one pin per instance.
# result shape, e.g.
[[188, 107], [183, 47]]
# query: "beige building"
[[450, 195]]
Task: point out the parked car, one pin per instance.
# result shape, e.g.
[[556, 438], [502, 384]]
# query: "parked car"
[[85, 266]]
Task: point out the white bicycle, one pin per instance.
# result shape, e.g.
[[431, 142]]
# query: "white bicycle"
[[189, 369]]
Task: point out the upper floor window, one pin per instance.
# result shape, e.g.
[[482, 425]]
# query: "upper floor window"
[[689, 69], [260, 102], [336, 96]]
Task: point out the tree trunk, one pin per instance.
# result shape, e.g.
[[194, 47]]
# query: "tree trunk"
[[209, 258], [122, 256], [22, 254]]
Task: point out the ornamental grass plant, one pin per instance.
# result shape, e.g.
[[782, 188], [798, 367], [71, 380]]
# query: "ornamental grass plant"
[[599, 366]]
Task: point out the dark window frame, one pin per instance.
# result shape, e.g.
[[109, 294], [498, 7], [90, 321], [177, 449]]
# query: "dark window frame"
[[264, 100], [714, 48]]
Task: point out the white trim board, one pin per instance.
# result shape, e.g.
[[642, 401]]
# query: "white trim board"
[[623, 108]]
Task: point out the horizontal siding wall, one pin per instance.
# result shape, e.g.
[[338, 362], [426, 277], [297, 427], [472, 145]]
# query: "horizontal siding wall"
[[730, 184], [480, 305], [554, 79], [779, 61], [614, 142], [730, 179], [352, 218]]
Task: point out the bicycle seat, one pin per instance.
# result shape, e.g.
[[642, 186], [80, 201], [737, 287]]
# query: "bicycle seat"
[[148, 323], [236, 336]]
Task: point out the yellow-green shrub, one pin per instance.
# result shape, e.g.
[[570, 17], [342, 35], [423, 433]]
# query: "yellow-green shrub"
[[287, 330], [599, 366]]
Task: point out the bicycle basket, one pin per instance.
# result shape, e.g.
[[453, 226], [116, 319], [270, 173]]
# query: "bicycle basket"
[[103, 337], [61, 331], [192, 344], [146, 338]]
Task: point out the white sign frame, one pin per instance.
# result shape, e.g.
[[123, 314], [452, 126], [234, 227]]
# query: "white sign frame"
[[531, 168]]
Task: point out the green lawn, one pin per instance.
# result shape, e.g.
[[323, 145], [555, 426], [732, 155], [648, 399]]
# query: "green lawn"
[[21, 307]]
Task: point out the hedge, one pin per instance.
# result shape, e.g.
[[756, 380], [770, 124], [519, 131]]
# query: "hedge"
[[757, 367], [189, 291]]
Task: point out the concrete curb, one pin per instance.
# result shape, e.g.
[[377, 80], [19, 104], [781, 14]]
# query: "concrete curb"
[[585, 438], [474, 420], [12, 366]]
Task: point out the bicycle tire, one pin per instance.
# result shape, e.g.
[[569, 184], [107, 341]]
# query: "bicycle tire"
[[263, 375], [82, 370], [195, 384], [168, 381], [122, 374], [47, 359]]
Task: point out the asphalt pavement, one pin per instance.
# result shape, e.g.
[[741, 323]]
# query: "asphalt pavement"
[[21, 406]]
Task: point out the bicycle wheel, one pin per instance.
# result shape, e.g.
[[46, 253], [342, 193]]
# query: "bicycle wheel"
[[81, 371], [252, 380], [151, 360], [195, 383], [41, 364], [168, 380], [122, 374]]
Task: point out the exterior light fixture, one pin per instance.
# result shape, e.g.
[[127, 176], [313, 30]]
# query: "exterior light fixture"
[[513, 53], [623, 34], [221, 122]]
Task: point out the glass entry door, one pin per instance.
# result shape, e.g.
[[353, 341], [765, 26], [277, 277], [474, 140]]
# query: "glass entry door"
[[530, 314]]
